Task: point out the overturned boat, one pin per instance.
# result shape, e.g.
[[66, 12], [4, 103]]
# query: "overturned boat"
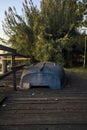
[[43, 74]]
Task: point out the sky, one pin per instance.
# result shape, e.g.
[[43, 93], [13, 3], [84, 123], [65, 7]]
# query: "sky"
[[4, 4]]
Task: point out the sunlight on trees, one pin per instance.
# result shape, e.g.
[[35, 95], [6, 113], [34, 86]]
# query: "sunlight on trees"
[[48, 34]]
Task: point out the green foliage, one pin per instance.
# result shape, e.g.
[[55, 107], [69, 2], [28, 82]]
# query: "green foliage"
[[47, 51], [19, 29], [45, 33]]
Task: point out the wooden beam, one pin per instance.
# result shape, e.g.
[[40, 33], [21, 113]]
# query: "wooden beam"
[[20, 55], [5, 54], [16, 68], [5, 75], [14, 72], [7, 49], [9, 58]]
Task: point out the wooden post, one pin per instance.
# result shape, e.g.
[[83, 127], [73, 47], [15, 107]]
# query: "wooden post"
[[4, 66], [14, 72], [84, 64]]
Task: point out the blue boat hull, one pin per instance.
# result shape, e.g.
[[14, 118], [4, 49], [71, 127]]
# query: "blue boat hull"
[[43, 74]]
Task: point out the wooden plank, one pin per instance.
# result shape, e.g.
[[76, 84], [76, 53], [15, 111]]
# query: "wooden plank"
[[39, 107], [5, 48], [5, 75], [47, 106], [51, 98], [44, 111], [47, 118], [46, 127], [17, 68], [37, 93], [35, 98], [20, 55], [5, 55], [9, 58]]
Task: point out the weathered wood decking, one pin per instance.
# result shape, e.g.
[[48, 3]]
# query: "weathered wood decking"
[[46, 109]]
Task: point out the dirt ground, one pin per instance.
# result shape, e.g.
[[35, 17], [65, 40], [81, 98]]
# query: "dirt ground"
[[76, 79]]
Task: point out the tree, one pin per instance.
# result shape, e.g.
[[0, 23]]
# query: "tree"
[[44, 34], [62, 18], [20, 29]]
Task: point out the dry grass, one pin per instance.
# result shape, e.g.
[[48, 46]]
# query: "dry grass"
[[79, 71]]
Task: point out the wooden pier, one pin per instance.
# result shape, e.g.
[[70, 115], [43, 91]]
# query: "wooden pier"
[[46, 109]]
